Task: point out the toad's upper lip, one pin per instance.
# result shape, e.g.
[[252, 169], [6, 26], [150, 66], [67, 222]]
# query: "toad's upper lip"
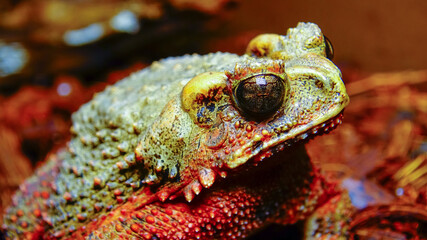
[[261, 150]]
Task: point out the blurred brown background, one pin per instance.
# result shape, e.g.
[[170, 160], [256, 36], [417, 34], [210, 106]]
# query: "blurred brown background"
[[376, 35]]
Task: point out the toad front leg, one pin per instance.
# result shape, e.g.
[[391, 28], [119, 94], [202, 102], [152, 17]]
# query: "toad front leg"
[[331, 220]]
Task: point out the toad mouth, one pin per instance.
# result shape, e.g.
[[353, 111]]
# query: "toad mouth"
[[257, 151], [303, 137]]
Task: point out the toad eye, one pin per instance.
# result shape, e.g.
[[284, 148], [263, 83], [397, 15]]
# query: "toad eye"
[[329, 50], [260, 95]]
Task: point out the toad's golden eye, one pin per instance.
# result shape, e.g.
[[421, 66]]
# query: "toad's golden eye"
[[329, 50], [260, 95]]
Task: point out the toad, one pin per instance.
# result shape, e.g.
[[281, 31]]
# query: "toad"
[[196, 147]]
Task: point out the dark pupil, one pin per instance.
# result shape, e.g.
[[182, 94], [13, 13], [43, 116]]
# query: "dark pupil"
[[329, 48], [260, 95]]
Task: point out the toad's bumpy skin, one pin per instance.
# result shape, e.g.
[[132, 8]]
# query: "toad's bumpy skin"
[[170, 152]]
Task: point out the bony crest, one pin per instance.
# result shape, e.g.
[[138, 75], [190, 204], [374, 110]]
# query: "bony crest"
[[203, 95]]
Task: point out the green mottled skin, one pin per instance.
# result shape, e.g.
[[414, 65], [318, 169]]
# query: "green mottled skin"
[[143, 150]]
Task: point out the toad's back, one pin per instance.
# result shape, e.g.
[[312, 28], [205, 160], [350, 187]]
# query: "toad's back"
[[88, 178]]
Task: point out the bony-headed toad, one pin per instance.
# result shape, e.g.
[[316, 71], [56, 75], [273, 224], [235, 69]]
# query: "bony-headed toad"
[[195, 147]]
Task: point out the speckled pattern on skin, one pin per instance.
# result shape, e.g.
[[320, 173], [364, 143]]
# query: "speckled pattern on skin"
[[170, 152]]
